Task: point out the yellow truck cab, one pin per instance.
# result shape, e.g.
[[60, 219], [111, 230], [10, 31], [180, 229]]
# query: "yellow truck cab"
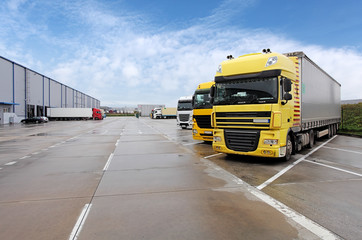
[[201, 128], [272, 105]]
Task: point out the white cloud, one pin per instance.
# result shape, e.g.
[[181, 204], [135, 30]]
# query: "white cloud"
[[171, 65], [121, 60], [14, 4]]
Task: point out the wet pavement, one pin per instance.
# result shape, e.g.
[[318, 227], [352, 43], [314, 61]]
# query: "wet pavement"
[[128, 178]]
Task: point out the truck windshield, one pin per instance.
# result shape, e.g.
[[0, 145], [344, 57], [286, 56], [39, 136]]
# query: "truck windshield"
[[202, 99], [247, 91], [184, 105]]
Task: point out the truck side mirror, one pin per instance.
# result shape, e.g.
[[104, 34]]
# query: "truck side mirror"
[[212, 101], [288, 96], [287, 85], [212, 91], [212, 94]]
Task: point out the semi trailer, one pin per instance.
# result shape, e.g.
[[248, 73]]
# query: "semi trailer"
[[201, 127], [74, 113], [272, 105]]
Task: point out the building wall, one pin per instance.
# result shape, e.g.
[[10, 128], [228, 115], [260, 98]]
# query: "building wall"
[[19, 79], [34, 88], [55, 94], [28, 93], [6, 90]]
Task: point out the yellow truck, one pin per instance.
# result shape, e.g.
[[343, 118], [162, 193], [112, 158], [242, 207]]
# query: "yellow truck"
[[201, 127], [271, 105]]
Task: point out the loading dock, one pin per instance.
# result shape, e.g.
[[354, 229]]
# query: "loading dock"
[[26, 93]]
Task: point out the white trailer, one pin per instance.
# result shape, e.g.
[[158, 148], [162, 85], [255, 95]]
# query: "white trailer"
[[70, 113]]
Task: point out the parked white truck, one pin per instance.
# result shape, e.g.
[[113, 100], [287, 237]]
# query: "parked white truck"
[[184, 112]]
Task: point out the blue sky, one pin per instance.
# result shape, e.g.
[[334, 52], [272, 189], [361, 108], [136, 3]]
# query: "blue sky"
[[131, 52]]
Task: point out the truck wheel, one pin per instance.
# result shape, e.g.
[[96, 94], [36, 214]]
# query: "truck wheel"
[[288, 150], [334, 129], [311, 139], [330, 131]]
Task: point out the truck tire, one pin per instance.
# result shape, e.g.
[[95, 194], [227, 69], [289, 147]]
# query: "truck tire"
[[330, 131], [311, 139], [288, 150]]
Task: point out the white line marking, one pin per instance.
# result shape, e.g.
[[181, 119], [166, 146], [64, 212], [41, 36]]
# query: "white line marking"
[[27, 156], [335, 168], [35, 153], [217, 154], [117, 143], [10, 163], [139, 132], [272, 179], [310, 225], [81, 219], [344, 150], [187, 144], [108, 162]]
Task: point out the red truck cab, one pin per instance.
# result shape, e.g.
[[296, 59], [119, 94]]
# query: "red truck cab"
[[97, 114]]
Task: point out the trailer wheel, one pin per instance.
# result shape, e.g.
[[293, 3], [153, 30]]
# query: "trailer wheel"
[[334, 129], [330, 131], [311, 139], [288, 150]]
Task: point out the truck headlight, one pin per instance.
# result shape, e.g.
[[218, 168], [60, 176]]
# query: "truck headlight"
[[271, 61], [217, 139], [271, 141]]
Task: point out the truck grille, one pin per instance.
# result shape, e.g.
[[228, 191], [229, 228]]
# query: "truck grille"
[[203, 121], [184, 117], [242, 140], [243, 119]]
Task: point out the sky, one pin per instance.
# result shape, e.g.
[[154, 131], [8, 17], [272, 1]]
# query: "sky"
[[130, 52]]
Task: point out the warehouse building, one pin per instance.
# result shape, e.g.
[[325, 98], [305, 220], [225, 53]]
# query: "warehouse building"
[[25, 93]]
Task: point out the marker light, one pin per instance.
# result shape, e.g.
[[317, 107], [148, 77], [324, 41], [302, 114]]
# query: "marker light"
[[219, 70], [271, 141], [261, 120], [271, 61]]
